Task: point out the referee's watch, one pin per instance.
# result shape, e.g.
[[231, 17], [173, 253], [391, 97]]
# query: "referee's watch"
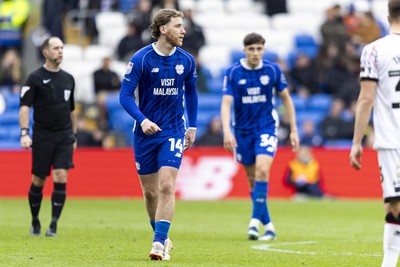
[[24, 131]]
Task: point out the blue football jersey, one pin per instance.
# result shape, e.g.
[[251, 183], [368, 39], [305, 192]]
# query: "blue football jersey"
[[253, 91], [156, 87]]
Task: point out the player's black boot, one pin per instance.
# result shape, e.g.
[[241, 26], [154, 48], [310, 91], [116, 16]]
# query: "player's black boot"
[[35, 228], [52, 231]]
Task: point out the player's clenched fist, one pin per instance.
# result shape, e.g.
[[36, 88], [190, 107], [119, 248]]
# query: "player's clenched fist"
[[26, 142]]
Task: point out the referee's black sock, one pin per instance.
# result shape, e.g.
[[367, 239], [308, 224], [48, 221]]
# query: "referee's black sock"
[[57, 201], [35, 200]]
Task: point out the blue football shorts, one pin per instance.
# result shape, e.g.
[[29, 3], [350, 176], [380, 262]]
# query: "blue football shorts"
[[152, 153], [249, 145]]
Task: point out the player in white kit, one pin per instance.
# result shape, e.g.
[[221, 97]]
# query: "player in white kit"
[[380, 91]]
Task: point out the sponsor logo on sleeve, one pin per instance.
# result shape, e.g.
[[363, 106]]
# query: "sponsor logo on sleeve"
[[24, 89], [67, 94], [129, 68]]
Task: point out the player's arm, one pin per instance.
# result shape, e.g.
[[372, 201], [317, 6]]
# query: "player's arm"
[[73, 115], [128, 87], [229, 138], [25, 103], [289, 107], [25, 140], [363, 112], [191, 99], [74, 126]]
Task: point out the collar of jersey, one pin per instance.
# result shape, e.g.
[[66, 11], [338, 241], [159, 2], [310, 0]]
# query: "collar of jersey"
[[244, 65], [159, 52]]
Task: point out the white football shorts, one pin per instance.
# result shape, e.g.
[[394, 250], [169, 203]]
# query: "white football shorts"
[[389, 165]]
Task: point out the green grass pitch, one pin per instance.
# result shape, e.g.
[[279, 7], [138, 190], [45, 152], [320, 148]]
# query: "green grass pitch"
[[116, 232]]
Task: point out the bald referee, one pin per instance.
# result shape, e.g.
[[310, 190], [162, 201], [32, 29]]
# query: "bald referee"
[[50, 91]]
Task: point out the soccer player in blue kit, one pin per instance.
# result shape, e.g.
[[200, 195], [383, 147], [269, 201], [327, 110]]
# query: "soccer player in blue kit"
[[160, 81], [251, 84]]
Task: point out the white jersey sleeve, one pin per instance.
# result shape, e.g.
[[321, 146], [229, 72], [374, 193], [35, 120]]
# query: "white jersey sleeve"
[[380, 62]]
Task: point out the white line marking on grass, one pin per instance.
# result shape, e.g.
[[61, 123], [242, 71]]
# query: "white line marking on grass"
[[269, 247]]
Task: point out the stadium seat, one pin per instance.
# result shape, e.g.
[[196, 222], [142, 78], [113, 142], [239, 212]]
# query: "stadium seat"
[[210, 6], [299, 102], [236, 55], [271, 56], [9, 118], [72, 52], [97, 52], [304, 40], [319, 103], [12, 101], [112, 26], [338, 144], [314, 116], [209, 102], [215, 86]]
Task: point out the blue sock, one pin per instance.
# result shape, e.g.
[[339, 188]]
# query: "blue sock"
[[153, 224], [259, 199], [161, 231], [265, 217]]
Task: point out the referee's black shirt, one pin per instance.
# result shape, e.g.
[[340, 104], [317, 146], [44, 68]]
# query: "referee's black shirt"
[[52, 96]]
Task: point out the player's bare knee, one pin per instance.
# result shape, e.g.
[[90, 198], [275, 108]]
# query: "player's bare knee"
[[60, 176], [150, 195], [166, 188], [262, 173], [38, 181]]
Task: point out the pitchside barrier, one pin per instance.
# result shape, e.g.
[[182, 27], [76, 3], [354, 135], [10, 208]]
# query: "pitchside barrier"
[[206, 174]]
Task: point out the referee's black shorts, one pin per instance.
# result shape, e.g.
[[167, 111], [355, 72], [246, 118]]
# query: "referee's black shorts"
[[51, 149]]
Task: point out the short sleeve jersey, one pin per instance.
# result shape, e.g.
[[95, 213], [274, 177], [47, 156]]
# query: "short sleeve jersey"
[[253, 92], [52, 96], [158, 84], [380, 62]]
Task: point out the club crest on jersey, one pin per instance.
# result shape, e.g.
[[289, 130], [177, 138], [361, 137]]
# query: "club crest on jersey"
[[179, 69], [129, 68], [67, 94], [264, 79]]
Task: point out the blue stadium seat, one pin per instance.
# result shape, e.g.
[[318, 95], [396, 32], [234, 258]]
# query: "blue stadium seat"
[[12, 101], [215, 86], [209, 102], [203, 119], [9, 118], [314, 116], [271, 56], [304, 40], [8, 145], [299, 102], [339, 143], [236, 55], [319, 102]]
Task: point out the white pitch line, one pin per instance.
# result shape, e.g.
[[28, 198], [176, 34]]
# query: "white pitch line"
[[268, 247]]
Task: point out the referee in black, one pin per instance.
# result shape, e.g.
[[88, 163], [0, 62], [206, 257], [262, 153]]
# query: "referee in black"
[[50, 91]]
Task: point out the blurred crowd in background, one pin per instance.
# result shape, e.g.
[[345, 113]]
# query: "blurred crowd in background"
[[322, 67]]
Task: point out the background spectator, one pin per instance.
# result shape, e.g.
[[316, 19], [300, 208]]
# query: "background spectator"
[[194, 37], [130, 43], [213, 135], [13, 17], [309, 136], [105, 81], [333, 126], [304, 174], [11, 70]]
